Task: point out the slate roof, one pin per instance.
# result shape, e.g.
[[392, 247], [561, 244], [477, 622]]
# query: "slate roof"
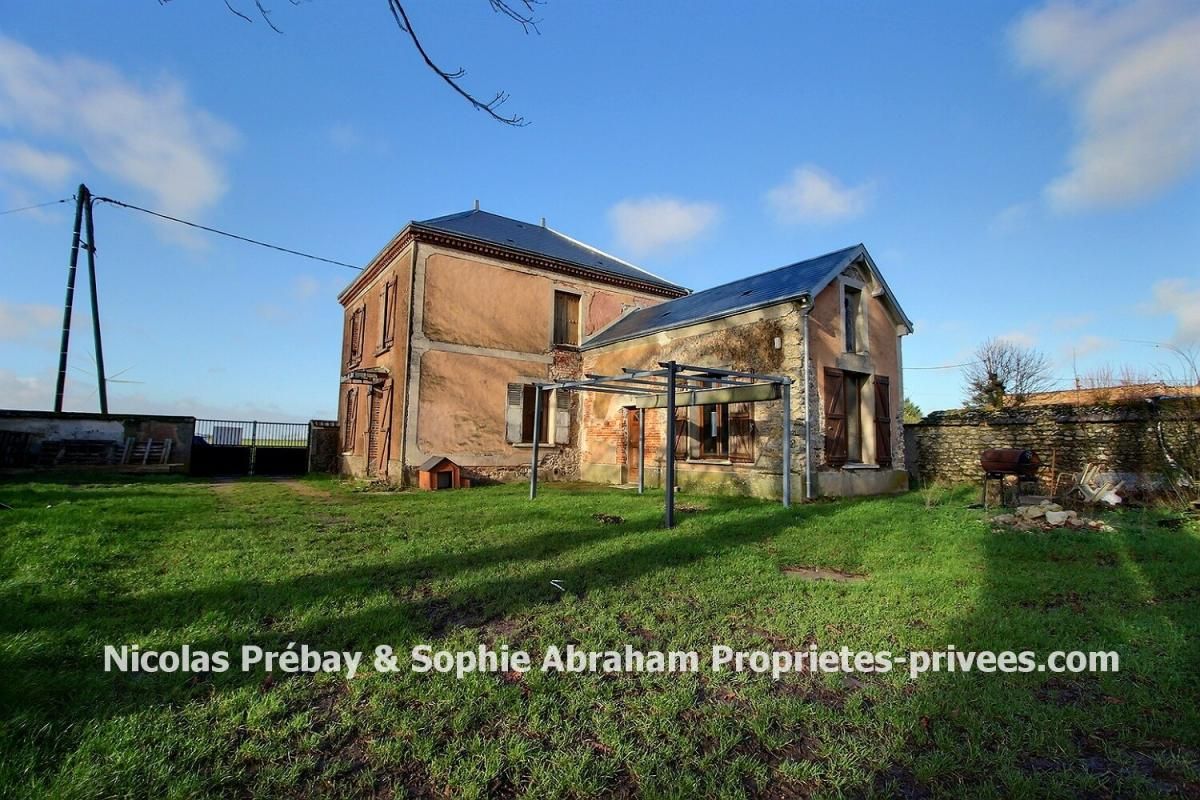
[[757, 291], [432, 462], [484, 226]]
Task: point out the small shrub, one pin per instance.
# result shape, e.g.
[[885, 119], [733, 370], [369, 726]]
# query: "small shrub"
[[933, 493]]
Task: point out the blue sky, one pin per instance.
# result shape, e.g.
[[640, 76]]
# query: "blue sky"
[[1028, 171]]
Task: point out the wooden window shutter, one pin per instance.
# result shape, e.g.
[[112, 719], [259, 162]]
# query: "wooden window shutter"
[[385, 431], [566, 318], [356, 334], [562, 417], [883, 421], [741, 432], [560, 318], [681, 433], [374, 418], [387, 307], [513, 418], [573, 319], [837, 446], [350, 420], [362, 325]]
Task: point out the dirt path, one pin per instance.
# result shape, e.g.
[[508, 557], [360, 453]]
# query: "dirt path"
[[224, 486], [307, 489]]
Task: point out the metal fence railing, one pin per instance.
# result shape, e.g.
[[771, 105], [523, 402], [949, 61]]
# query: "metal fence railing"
[[252, 433]]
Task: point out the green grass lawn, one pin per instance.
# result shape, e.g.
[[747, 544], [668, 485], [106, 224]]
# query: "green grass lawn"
[[165, 562]]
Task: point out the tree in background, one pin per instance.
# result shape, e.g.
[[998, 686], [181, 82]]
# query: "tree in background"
[[912, 412], [1004, 373]]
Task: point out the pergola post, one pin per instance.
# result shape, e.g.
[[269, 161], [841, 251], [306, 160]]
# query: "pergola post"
[[670, 428], [537, 438], [786, 391], [658, 388], [641, 451]]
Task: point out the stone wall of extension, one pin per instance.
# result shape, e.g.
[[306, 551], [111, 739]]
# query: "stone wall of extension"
[[1138, 442], [768, 340], [745, 341]]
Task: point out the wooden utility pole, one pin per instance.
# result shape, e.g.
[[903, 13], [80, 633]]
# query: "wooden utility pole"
[[101, 380], [83, 207], [61, 388]]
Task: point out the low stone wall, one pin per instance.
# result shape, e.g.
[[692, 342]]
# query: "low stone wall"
[[324, 444], [29, 434], [1125, 440]]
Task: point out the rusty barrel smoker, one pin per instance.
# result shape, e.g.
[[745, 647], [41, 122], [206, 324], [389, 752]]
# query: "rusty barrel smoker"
[[998, 463]]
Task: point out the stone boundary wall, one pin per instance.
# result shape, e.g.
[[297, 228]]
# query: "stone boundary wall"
[[36, 428], [1122, 439], [324, 445]]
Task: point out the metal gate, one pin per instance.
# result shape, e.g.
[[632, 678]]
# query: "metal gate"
[[249, 447]]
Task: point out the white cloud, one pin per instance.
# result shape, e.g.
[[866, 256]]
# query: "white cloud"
[[1074, 322], [274, 312], [813, 195], [350, 139], [1011, 219], [1180, 298], [1088, 345], [1019, 338], [43, 167], [651, 223], [141, 403], [22, 322], [1131, 71], [150, 137], [24, 392], [305, 287], [34, 392], [344, 136]]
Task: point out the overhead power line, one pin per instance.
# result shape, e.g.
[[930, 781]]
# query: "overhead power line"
[[947, 366], [220, 232], [39, 205]]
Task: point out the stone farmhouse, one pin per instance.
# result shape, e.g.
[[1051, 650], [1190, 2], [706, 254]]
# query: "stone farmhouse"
[[454, 322]]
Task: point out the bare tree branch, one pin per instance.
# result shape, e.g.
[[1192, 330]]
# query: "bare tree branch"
[[525, 20], [452, 78], [231, 9], [519, 11], [266, 15]]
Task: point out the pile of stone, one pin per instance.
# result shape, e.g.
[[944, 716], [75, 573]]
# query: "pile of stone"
[[1045, 515]]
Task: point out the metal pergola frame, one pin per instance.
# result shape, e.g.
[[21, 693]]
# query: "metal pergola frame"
[[670, 386]]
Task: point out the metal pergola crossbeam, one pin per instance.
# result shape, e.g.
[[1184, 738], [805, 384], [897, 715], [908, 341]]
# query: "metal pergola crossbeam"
[[669, 387]]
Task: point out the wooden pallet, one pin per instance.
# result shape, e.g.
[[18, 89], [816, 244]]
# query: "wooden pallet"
[[147, 452]]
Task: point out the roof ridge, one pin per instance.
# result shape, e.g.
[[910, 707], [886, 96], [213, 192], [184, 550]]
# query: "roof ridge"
[[444, 217], [544, 241], [597, 250], [758, 290], [772, 270]]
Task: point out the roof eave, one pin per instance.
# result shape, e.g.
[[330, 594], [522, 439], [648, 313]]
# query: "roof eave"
[[392, 249], [587, 271], [852, 255], [697, 321]]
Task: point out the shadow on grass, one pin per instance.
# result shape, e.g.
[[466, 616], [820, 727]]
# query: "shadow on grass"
[[1133, 591], [473, 596], [1135, 732]]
